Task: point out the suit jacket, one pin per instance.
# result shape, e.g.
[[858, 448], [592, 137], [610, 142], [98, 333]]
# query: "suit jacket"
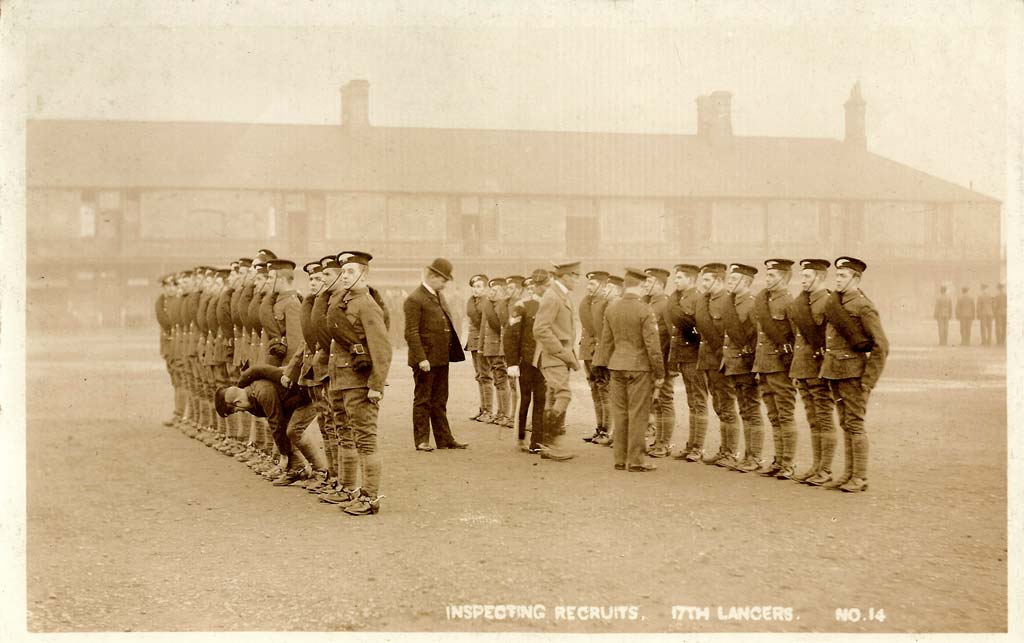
[[629, 338], [681, 315], [943, 307], [519, 343], [554, 329], [429, 330]]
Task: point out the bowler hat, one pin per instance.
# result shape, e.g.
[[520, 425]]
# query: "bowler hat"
[[442, 267]]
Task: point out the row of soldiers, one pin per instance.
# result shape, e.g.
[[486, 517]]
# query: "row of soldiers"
[[738, 348], [989, 309], [241, 338]]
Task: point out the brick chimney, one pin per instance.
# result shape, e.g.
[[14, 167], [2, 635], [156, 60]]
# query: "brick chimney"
[[856, 133], [714, 117], [355, 104]]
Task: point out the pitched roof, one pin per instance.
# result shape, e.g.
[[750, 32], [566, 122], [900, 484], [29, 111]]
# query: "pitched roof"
[[121, 154]]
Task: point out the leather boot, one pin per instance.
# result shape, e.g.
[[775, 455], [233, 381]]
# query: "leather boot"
[[553, 438], [848, 471]]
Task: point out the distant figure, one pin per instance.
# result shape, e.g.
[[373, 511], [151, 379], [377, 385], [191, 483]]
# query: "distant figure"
[[986, 312], [943, 313], [965, 314], [1000, 314]]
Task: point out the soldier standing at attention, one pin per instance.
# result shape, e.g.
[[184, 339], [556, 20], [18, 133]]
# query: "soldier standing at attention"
[[738, 353], [588, 342], [965, 315], [663, 404], [852, 371], [708, 314], [519, 349], [772, 359], [986, 312], [474, 344], [491, 327], [513, 292], [630, 351], [683, 351], [356, 324], [807, 314], [554, 330], [942, 314]]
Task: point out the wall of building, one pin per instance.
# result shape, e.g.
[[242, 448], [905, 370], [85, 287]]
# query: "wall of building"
[[94, 253]]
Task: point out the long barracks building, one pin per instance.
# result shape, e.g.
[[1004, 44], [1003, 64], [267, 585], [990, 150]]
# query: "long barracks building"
[[112, 205]]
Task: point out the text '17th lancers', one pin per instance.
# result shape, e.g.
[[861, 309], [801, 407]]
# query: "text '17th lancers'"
[[733, 613]]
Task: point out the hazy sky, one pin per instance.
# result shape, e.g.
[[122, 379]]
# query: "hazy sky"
[[934, 78]]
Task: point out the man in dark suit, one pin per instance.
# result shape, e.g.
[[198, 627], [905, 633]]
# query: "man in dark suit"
[[433, 344], [965, 311]]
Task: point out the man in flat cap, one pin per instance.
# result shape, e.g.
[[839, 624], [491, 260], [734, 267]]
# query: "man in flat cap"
[[520, 345], [356, 324], [433, 344], [513, 292], [807, 314], [630, 350], [555, 333], [683, 351], [709, 314], [474, 344], [588, 344], [493, 308], [738, 359], [608, 292], [942, 313], [853, 374], [663, 404], [773, 356]]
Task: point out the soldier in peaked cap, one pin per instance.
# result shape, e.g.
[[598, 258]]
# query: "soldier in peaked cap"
[[807, 314], [663, 404], [683, 352], [630, 352], [474, 344], [554, 330], [738, 360], [596, 281], [356, 323], [433, 344], [513, 292], [709, 314], [494, 308], [853, 373], [772, 358]]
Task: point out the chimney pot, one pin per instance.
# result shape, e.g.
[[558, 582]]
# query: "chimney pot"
[[355, 104], [855, 106]]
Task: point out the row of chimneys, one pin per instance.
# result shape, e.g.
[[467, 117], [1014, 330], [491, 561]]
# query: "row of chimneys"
[[714, 113]]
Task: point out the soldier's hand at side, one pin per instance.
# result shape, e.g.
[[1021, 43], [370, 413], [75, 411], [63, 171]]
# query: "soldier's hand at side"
[[425, 366], [513, 371], [285, 381], [659, 382], [374, 396]]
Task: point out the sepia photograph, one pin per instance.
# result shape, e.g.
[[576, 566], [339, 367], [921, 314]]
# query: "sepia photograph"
[[510, 318]]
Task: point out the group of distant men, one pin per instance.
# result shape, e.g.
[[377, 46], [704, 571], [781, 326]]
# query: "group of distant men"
[[734, 346], [989, 309]]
